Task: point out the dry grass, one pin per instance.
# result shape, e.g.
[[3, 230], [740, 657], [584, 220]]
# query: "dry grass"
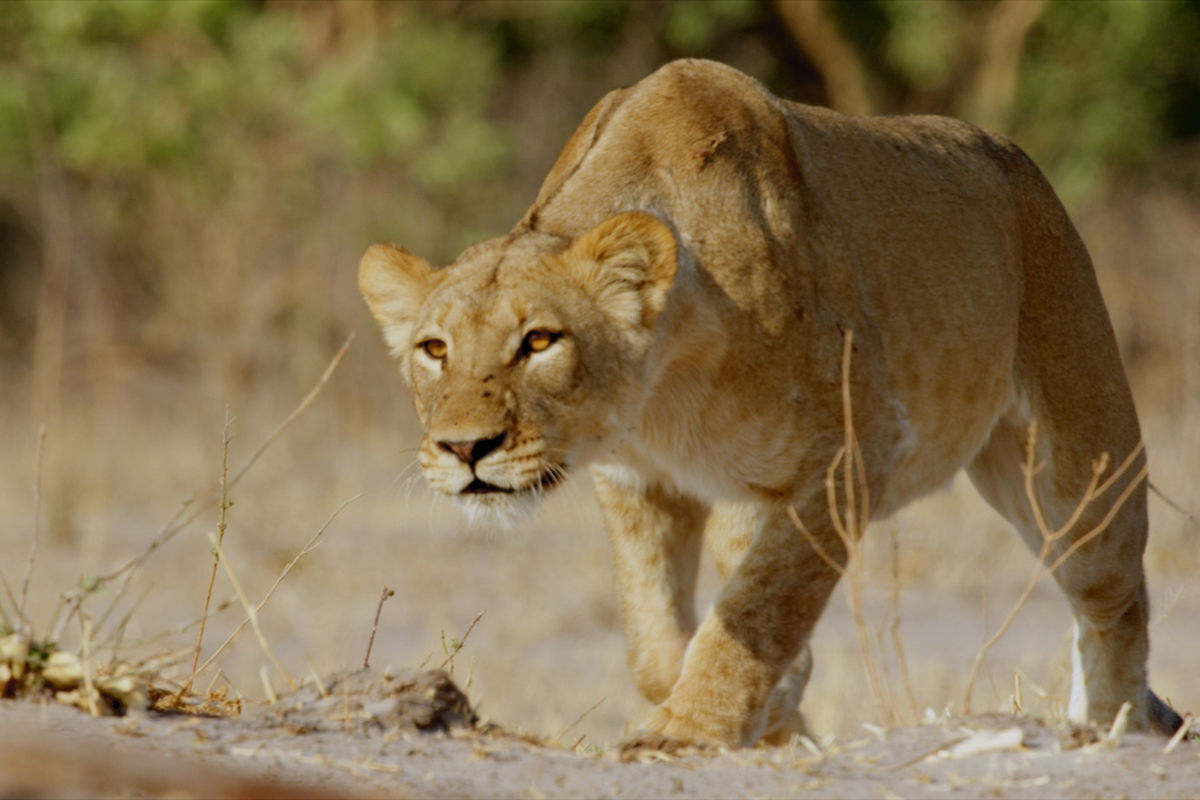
[[34, 661]]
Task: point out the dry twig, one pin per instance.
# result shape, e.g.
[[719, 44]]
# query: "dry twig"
[[456, 645], [849, 520], [1189, 516], [375, 625], [223, 507], [251, 613], [578, 720]]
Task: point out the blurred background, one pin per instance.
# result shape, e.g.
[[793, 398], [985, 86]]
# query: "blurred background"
[[185, 191]]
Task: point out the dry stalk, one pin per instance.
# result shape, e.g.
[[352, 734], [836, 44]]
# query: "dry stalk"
[[578, 720], [208, 691], [849, 519], [251, 613], [268, 689], [223, 507], [183, 517], [456, 645], [312, 673], [6, 620], [1183, 732], [1094, 490], [1189, 516], [375, 625], [849, 526]]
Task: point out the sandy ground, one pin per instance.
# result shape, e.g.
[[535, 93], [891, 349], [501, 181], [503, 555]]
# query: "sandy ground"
[[412, 734]]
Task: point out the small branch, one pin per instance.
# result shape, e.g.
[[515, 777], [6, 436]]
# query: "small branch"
[[375, 625]]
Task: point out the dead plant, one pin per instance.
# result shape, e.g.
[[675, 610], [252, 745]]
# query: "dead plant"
[[849, 516], [32, 663], [1043, 566]]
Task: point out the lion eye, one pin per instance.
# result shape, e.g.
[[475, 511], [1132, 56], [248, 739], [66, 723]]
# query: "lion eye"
[[538, 340], [434, 348]]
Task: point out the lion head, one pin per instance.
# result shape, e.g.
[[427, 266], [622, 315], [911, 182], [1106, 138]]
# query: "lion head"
[[525, 356]]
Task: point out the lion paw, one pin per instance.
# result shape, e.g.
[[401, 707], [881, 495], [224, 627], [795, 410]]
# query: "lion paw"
[[649, 746]]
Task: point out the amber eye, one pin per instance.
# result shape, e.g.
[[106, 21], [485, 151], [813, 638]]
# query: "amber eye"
[[538, 340], [434, 348]]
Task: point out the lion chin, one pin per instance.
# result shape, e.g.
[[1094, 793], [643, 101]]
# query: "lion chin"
[[488, 506]]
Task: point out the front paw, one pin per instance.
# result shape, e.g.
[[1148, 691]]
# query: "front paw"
[[669, 731], [648, 746]]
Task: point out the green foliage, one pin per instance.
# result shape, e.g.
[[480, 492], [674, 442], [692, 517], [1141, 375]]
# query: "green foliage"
[[199, 86], [262, 144], [427, 90], [920, 41], [1101, 83], [691, 28], [1095, 85]]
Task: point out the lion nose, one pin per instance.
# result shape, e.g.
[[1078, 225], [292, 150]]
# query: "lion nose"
[[472, 451]]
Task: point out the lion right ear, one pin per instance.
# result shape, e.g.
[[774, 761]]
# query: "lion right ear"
[[395, 284], [627, 263]]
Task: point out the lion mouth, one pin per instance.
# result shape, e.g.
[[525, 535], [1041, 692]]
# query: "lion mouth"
[[547, 479], [483, 487]]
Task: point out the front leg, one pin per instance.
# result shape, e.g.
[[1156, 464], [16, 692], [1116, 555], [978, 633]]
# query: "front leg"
[[761, 620], [656, 534], [730, 530]]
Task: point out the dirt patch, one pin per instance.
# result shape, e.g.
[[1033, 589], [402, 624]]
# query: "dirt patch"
[[363, 703], [413, 734]]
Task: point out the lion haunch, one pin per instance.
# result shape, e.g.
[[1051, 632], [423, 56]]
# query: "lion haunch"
[[671, 314]]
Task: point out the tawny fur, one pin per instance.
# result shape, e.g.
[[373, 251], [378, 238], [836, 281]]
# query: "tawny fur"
[[698, 252]]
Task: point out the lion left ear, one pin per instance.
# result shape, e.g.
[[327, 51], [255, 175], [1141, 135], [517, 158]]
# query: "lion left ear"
[[627, 263], [395, 284]]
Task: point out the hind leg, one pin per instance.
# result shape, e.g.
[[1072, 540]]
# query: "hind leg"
[[728, 532], [1102, 579], [1067, 375]]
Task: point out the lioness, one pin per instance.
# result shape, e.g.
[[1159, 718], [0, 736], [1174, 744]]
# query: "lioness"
[[671, 313]]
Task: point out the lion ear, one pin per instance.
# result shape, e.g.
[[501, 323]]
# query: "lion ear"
[[395, 284], [627, 263]]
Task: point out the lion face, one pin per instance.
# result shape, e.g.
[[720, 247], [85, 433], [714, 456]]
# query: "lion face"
[[525, 356]]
